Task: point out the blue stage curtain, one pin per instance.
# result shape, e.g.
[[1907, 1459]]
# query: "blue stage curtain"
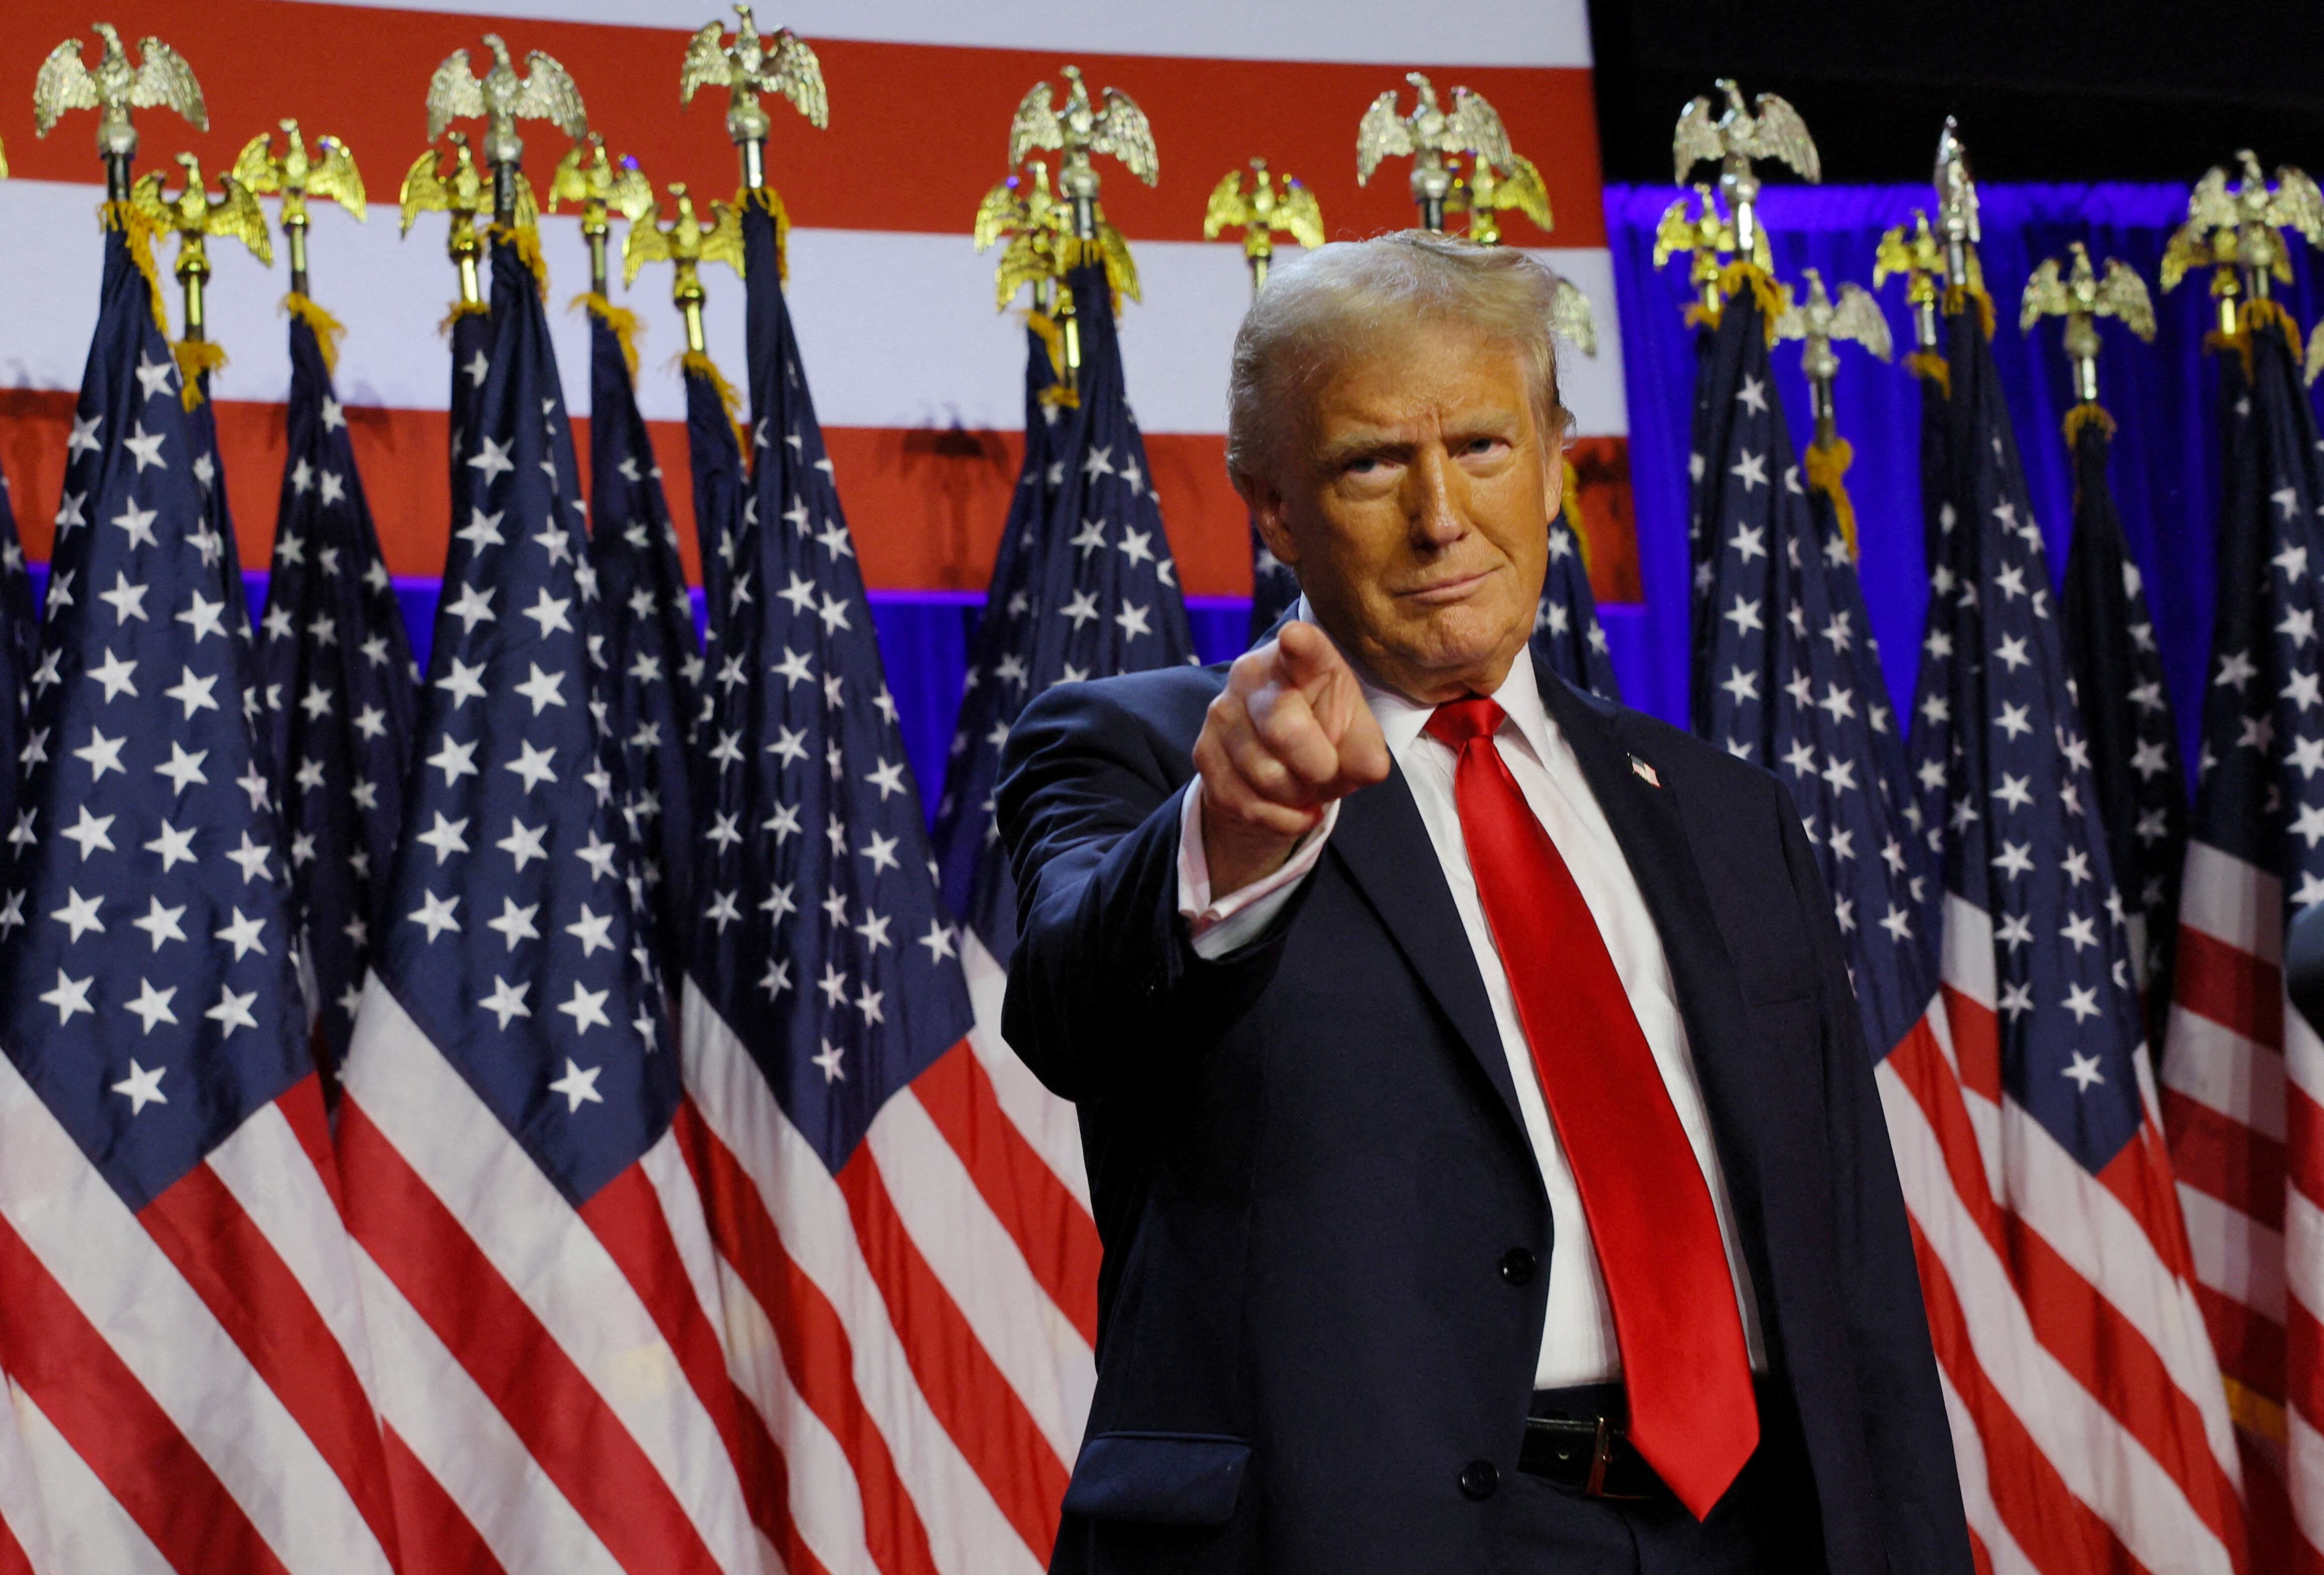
[[2166, 462]]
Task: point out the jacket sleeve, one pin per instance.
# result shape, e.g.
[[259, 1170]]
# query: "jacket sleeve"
[[1106, 994], [1907, 1435]]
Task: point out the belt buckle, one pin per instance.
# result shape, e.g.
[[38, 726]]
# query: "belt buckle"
[[1601, 1455]]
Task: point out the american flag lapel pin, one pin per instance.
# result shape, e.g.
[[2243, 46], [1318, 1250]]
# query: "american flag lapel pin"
[[1645, 772]]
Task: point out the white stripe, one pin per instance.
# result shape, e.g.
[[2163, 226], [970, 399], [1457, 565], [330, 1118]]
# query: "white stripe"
[[1967, 955], [1545, 32], [88, 1529], [2098, 1236], [2234, 1254], [824, 1499], [21, 1518], [2100, 1461], [2304, 1055], [460, 1436], [982, 1268], [549, 1258], [2304, 1478], [267, 1170], [2218, 1068], [101, 1255], [936, 354], [1047, 1123], [966, 1529], [2232, 901], [665, 1170], [1976, 1489]]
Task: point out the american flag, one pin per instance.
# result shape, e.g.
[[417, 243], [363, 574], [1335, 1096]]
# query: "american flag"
[[1273, 587], [651, 659], [1566, 628], [336, 678], [536, 1274], [19, 650], [1092, 591], [2088, 1413], [2243, 1077], [217, 518], [897, 1277], [177, 1297], [723, 505], [2118, 669]]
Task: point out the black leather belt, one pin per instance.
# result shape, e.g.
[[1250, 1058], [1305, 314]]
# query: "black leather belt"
[[1593, 1455]]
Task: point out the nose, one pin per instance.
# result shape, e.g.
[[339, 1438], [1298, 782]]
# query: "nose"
[[1434, 508]]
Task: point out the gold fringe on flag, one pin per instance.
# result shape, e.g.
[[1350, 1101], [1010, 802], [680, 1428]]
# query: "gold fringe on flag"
[[526, 240], [195, 357], [1828, 473], [1958, 296], [2251, 316], [1056, 395], [1570, 507], [2087, 414], [623, 321], [463, 308], [1931, 367], [1774, 298], [699, 363], [140, 232], [771, 201], [328, 329]]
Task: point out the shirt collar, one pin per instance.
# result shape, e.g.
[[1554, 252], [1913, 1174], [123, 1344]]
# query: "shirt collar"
[[1402, 720]]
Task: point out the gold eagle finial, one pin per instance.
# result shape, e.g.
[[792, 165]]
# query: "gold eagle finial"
[[159, 79], [1733, 139], [1819, 322], [686, 244], [2081, 295], [329, 174], [438, 182], [194, 215], [1043, 248], [784, 63], [1261, 213], [2235, 229], [1078, 130], [1428, 136], [589, 175], [1489, 192], [501, 98]]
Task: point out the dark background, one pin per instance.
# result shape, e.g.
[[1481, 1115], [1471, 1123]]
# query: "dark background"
[[2091, 91]]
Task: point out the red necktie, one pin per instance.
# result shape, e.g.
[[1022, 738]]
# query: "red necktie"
[[1692, 1415]]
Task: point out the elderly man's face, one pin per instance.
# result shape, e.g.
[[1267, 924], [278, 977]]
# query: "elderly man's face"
[[1414, 499]]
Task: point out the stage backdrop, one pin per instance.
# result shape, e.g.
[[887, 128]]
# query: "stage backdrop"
[[2163, 395], [915, 376]]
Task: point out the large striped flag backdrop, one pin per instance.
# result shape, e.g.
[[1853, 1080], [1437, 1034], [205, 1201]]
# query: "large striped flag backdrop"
[[2086, 1399], [178, 1319], [2243, 1077], [917, 377]]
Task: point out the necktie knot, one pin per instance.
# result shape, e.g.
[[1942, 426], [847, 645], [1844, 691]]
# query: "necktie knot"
[[1456, 722]]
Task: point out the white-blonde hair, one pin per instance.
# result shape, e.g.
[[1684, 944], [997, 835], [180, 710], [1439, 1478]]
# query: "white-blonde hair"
[[1318, 306]]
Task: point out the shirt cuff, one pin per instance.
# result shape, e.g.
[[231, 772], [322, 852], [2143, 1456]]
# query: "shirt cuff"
[[1235, 921]]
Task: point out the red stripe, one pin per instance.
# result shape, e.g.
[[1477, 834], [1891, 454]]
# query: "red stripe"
[[566, 1424], [241, 1279], [2058, 1532], [626, 1217], [926, 507], [311, 1123], [13, 1560], [2267, 1510], [1048, 1224], [439, 1538], [2303, 1352], [2073, 1320], [2303, 1133], [2219, 1156], [363, 72], [1979, 1555], [1977, 1043], [90, 1396], [817, 1354], [968, 1393], [2228, 985], [767, 1476], [2249, 1344]]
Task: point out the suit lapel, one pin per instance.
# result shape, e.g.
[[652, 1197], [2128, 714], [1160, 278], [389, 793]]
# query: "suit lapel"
[[1385, 848], [1645, 822]]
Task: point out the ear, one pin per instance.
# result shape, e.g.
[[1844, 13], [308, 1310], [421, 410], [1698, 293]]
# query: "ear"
[[1269, 515], [1552, 470]]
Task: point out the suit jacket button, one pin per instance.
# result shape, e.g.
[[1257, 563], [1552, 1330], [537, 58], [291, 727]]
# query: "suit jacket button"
[[1517, 1266], [1479, 1478]]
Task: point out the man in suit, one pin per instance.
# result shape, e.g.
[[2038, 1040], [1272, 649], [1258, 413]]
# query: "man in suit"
[[1478, 1123]]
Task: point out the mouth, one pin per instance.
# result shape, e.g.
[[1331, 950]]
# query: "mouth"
[[1443, 593]]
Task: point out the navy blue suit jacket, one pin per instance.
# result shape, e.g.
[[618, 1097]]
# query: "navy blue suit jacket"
[[1307, 1163]]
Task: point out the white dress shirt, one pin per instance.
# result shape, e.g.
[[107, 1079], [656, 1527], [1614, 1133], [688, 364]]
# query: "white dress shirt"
[[1577, 1344]]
